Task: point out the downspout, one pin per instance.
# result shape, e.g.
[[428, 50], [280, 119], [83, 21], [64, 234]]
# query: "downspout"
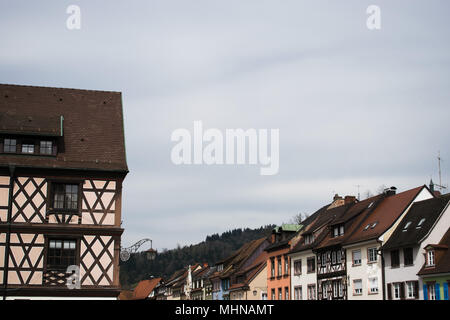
[[8, 233], [382, 270]]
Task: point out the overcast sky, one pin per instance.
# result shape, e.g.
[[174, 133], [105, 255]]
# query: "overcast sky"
[[354, 106]]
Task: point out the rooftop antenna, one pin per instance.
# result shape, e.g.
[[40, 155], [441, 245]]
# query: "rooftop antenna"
[[440, 185], [359, 196]]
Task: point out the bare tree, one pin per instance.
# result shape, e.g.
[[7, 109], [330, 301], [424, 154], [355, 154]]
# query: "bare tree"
[[381, 189], [299, 218]]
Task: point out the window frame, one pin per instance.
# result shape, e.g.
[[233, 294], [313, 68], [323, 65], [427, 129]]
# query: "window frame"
[[298, 293], [430, 258], [297, 263], [374, 249], [308, 264], [353, 258], [9, 145], [355, 293], [47, 239], [409, 249], [397, 255], [311, 287], [51, 197]]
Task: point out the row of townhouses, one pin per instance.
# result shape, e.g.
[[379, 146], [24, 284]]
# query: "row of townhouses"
[[390, 246]]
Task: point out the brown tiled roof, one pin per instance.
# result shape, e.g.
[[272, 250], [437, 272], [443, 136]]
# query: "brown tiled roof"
[[443, 261], [93, 131], [126, 295], [350, 216], [144, 288], [385, 214]]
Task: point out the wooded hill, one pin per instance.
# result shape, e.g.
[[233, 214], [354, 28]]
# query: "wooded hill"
[[214, 248]]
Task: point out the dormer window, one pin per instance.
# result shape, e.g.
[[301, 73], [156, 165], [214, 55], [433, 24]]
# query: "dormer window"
[[9, 145], [430, 258], [309, 238], [27, 147], [406, 226], [46, 147], [338, 231], [366, 227], [220, 267], [373, 225], [419, 225]]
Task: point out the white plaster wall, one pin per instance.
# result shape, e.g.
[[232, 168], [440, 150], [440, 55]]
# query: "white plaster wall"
[[363, 272], [305, 278]]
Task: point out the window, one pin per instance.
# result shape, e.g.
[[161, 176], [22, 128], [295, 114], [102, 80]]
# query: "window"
[[411, 289], [65, 196], [61, 253], [338, 231], [272, 267], [286, 293], [311, 264], [395, 259], [419, 225], [338, 256], [337, 288], [406, 226], [430, 258], [309, 238], [408, 256], [374, 225], [356, 257], [220, 267], [273, 294], [280, 295], [298, 293], [286, 265], [311, 292], [373, 285], [372, 255], [279, 267], [396, 287], [357, 287], [297, 267], [324, 259], [324, 290], [366, 227], [46, 147], [27, 148], [9, 145], [333, 257], [264, 295]]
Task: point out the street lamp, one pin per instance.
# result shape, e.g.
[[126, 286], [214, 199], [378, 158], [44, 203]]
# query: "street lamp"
[[150, 254]]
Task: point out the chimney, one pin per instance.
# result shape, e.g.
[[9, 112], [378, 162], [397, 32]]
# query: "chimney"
[[337, 197], [349, 199], [390, 191]]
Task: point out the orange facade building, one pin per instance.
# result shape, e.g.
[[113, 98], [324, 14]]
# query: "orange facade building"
[[278, 261]]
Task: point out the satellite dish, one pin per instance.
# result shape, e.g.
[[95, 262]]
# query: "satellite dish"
[[124, 255]]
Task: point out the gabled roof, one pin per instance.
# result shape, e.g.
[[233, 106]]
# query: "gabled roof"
[[244, 253], [251, 271], [348, 215], [442, 263], [383, 216], [88, 123], [430, 210], [144, 288]]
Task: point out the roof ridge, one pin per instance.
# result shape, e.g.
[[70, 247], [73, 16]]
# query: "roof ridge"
[[58, 88]]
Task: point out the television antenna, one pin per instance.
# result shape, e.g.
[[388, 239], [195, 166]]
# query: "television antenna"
[[440, 185]]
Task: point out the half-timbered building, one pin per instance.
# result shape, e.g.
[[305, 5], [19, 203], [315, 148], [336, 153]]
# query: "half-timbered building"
[[62, 165]]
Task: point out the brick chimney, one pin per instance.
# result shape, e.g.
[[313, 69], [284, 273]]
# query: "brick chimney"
[[349, 199]]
